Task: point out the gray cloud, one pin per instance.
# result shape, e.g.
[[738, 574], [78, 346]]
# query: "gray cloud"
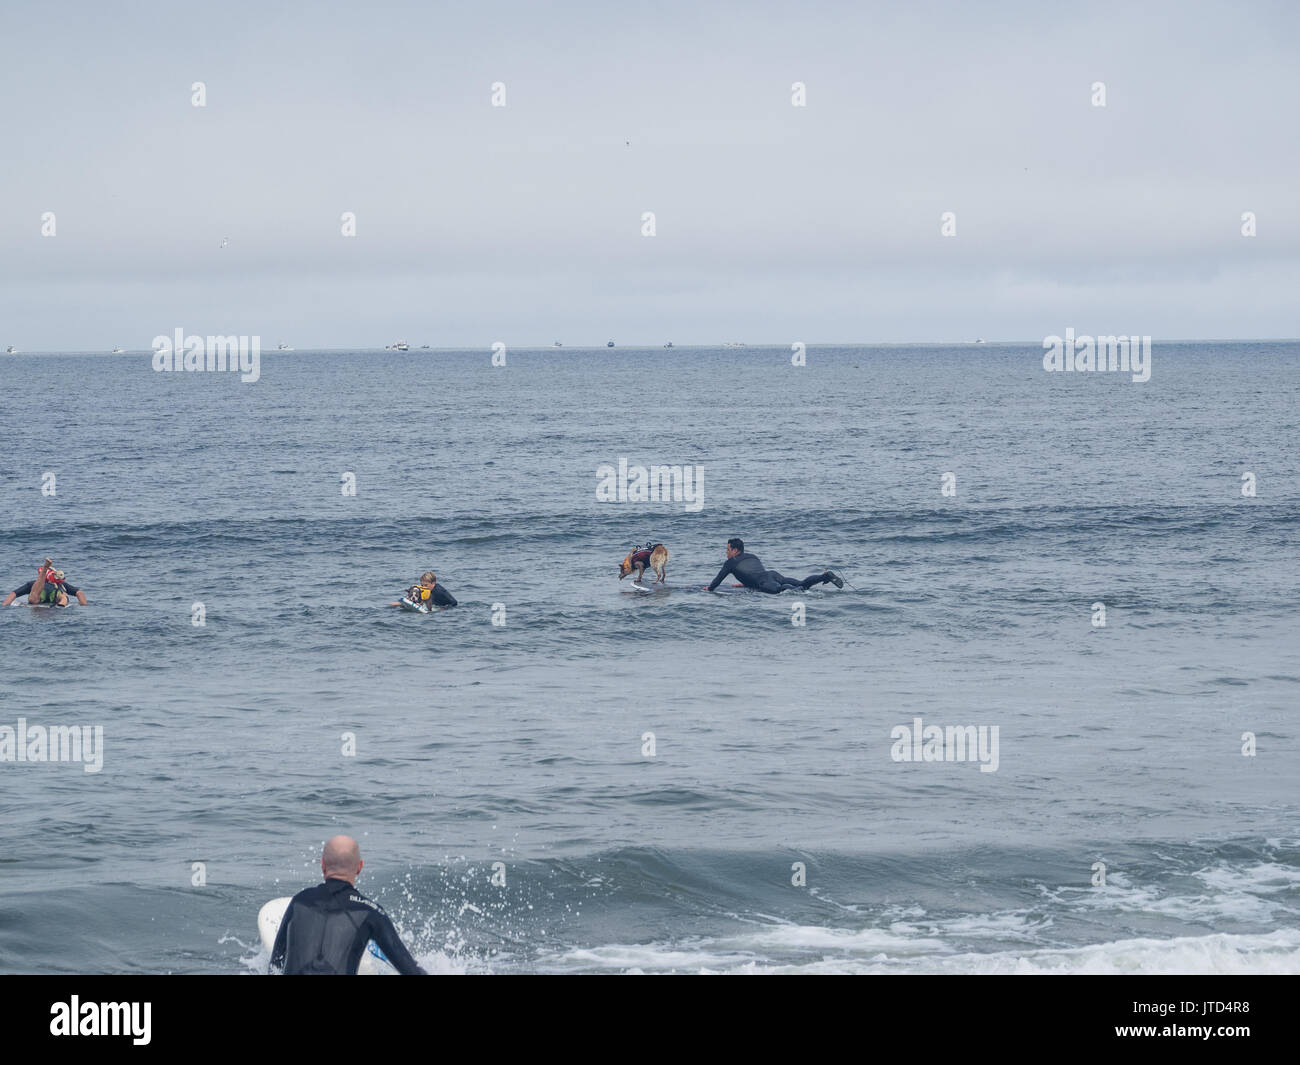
[[522, 223]]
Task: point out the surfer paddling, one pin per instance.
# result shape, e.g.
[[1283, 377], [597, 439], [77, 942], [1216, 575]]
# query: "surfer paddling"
[[747, 569], [428, 593], [51, 588], [326, 928]]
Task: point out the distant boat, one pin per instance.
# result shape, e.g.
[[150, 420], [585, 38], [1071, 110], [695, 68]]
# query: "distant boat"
[[424, 347], [118, 351], [609, 344], [979, 340], [283, 347], [401, 345], [557, 344], [11, 350], [669, 344], [733, 344]]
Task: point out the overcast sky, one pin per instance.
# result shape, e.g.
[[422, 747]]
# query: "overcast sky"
[[523, 223]]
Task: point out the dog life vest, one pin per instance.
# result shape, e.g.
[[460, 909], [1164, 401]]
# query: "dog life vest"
[[53, 586]]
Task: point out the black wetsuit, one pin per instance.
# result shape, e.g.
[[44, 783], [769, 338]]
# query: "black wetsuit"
[[750, 572], [325, 931], [49, 591]]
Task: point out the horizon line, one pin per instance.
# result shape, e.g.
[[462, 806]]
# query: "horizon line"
[[730, 345]]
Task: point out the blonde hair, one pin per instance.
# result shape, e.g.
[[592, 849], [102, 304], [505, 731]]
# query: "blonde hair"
[[428, 575]]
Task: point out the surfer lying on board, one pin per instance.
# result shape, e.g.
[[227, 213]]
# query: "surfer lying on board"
[[326, 928], [750, 572], [51, 588], [429, 593]]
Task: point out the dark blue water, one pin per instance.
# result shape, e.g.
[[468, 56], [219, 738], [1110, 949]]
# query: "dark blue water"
[[522, 743]]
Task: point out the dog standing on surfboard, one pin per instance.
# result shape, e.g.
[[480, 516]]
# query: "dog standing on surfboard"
[[653, 556]]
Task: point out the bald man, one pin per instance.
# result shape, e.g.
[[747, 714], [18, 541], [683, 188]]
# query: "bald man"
[[326, 928]]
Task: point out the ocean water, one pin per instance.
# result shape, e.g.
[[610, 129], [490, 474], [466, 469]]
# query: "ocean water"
[[772, 828]]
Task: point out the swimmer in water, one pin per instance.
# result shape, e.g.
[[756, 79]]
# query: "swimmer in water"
[[51, 588], [747, 569], [429, 593]]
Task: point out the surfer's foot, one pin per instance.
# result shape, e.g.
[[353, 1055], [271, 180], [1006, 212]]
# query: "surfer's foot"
[[833, 578]]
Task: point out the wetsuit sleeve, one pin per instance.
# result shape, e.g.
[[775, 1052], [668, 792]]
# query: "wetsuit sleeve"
[[71, 589], [442, 597], [727, 567], [383, 933], [24, 589], [281, 941]]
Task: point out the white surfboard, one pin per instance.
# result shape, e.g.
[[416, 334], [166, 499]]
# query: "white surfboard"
[[373, 962], [419, 608]]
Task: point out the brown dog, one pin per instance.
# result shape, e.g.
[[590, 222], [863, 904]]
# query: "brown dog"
[[653, 555]]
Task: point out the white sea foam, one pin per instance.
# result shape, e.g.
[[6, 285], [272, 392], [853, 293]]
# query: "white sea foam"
[[433, 962], [866, 951], [1266, 878], [1263, 892]]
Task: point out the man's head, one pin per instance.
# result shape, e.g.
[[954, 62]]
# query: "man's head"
[[427, 579], [341, 859], [735, 546]]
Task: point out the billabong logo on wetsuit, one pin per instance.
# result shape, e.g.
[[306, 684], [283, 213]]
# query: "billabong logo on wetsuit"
[[1117, 354], [956, 743], [195, 354], [656, 484], [102, 1018], [57, 743], [366, 902]]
